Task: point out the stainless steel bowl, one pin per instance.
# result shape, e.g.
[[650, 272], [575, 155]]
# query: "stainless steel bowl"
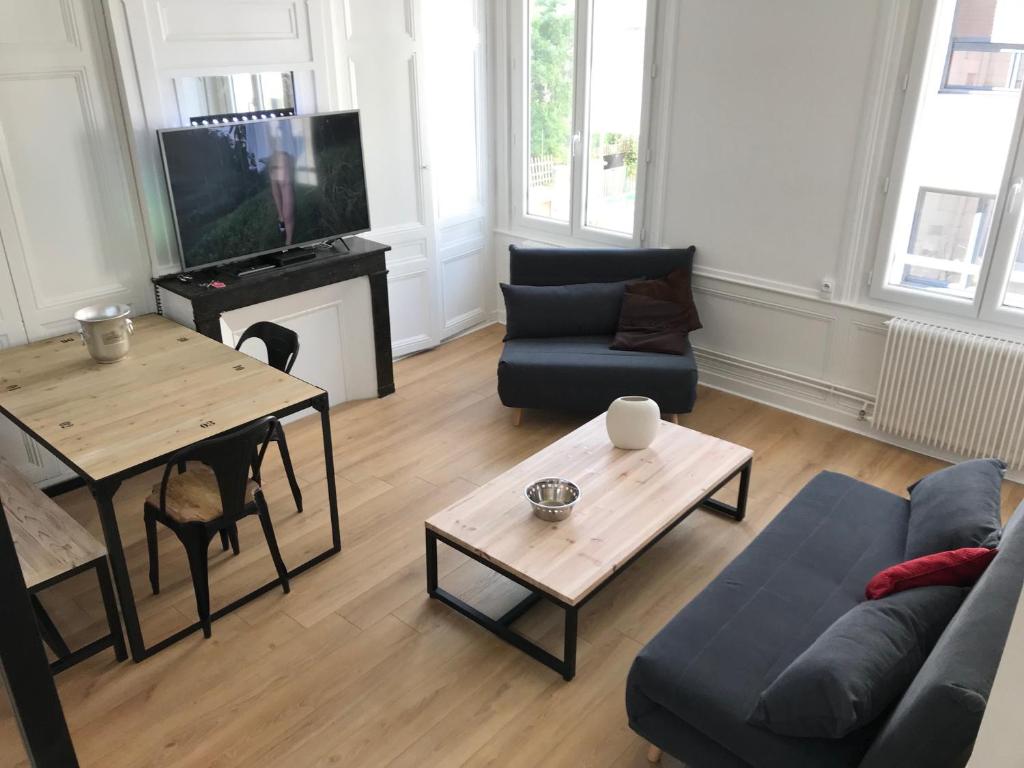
[[552, 498]]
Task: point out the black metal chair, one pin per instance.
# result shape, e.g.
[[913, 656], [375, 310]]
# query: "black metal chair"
[[210, 499], [282, 348]]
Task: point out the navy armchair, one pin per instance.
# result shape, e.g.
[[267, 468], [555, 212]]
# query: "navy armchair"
[[572, 368]]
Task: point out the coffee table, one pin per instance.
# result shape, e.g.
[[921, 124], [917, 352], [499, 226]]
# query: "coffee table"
[[629, 501]]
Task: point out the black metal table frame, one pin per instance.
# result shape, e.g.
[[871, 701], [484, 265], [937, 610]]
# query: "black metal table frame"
[[114, 639], [501, 626], [103, 490]]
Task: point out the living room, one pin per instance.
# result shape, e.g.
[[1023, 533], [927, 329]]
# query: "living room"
[[643, 378]]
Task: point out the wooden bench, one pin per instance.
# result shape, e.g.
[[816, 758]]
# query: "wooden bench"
[[52, 547]]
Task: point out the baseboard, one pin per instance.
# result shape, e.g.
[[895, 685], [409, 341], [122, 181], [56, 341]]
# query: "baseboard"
[[808, 397]]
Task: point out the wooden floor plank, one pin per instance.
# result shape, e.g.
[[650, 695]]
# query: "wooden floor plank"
[[356, 667]]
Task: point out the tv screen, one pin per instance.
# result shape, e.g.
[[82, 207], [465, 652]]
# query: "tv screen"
[[246, 188]]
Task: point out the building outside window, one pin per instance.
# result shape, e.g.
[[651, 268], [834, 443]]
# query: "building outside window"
[[951, 240]]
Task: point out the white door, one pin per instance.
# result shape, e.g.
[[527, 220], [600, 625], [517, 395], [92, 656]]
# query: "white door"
[[68, 204], [380, 61], [23, 452], [69, 228], [457, 117]]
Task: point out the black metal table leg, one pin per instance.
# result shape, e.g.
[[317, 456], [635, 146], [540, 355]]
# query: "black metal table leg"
[[566, 666], [739, 511], [431, 563], [322, 404], [741, 499], [24, 670], [571, 632], [103, 493], [110, 606], [48, 630]]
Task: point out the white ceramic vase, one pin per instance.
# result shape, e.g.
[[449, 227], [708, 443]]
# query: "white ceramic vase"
[[632, 422]]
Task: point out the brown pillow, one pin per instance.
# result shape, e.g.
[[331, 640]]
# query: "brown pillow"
[[651, 325], [676, 286]]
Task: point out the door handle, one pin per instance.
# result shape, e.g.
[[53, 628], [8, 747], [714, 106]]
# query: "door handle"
[[1015, 190]]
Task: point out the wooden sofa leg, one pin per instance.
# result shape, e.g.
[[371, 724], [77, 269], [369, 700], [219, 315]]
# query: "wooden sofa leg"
[[517, 417], [673, 417], [653, 754]]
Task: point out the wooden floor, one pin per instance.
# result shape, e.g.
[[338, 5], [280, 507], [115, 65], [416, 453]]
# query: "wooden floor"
[[356, 667]]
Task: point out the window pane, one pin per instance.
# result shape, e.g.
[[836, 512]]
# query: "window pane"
[[552, 30], [948, 227], [614, 103], [1014, 296], [985, 51], [958, 153]]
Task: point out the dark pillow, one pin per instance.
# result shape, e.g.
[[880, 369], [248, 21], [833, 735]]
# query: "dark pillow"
[[858, 667], [651, 325], [676, 287], [955, 507], [542, 311], [957, 568]]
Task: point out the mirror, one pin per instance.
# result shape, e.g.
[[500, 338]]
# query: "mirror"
[[227, 94]]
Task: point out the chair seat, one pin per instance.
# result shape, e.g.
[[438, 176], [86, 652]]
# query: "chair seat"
[[583, 374], [194, 497]]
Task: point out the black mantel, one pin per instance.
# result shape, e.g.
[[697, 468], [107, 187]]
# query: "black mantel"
[[365, 259]]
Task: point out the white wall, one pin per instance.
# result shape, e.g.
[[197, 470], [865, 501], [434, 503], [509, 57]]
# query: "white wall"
[[761, 116]]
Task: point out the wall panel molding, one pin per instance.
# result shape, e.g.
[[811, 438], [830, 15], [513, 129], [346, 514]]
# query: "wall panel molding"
[[199, 21]]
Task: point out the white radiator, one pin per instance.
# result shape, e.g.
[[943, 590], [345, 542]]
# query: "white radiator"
[[957, 391]]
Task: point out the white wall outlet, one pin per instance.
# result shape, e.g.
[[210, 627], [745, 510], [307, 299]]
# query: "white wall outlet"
[[827, 286]]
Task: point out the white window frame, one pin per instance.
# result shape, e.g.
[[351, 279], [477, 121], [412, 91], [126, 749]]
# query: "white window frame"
[[519, 85], [1007, 214]]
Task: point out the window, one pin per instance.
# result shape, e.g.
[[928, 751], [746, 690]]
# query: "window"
[[952, 238], [583, 115]]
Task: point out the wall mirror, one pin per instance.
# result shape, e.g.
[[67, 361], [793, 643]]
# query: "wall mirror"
[[227, 94]]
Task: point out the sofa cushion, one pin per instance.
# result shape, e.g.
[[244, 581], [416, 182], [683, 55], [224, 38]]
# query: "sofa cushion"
[[585, 309], [675, 287], [955, 507], [958, 568], [651, 325], [564, 266], [937, 720], [859, 666], [709, 665], [583, 374]]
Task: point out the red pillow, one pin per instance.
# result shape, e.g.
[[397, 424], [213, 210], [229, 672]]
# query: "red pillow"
[[956, 568]]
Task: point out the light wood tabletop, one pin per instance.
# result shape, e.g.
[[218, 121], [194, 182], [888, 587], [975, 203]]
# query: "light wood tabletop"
[[48, 541], [175, 388], [627, 499]]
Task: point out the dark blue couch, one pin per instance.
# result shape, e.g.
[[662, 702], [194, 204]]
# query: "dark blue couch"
[[693, 686], [581, 373]]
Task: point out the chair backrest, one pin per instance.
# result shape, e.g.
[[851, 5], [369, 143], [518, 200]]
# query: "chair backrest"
[[282, 343], [233, 457], [566, 266]]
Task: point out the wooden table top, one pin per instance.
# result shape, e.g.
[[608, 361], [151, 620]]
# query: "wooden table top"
[[627, 499], [175, 388], [48, 541]]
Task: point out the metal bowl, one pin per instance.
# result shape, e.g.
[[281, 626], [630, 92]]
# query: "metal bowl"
[[552, 498]]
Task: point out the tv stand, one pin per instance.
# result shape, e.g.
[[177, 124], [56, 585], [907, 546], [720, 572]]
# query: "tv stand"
[[365, 258]]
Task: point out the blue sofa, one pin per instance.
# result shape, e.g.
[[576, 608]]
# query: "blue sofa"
[[581, 373], [692, 688]]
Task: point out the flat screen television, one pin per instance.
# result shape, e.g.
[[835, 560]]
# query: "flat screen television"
[[247, 188]]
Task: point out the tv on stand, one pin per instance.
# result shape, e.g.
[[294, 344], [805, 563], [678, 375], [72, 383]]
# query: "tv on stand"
[[268, 192]]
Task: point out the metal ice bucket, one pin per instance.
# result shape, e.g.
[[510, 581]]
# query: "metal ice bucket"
[[106, 330]]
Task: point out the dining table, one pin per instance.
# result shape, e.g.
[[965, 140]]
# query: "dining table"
[[110, 422]]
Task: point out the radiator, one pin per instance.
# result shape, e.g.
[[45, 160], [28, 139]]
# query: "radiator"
[[953, 390]]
